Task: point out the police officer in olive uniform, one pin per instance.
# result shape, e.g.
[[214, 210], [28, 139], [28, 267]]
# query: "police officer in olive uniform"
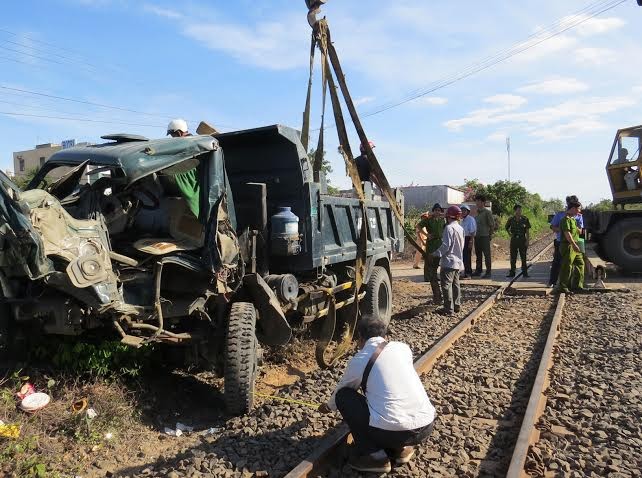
[[518, 227], [434, 224]]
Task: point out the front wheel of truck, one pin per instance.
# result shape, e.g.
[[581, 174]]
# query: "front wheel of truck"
[[377, 304], [241, 358]]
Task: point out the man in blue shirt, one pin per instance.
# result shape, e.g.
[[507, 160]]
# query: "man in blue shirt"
[[555, 227]]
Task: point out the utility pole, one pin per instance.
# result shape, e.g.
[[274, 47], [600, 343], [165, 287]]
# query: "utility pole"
[[508, 154]]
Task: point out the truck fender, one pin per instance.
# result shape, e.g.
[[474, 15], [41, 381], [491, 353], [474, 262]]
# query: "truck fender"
[[272, 326], [379, 260]]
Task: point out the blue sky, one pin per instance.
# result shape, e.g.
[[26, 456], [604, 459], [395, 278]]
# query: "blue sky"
[[244, 64]]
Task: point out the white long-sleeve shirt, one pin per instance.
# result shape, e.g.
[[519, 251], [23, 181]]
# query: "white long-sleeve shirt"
[[452, 247], [396, 397]]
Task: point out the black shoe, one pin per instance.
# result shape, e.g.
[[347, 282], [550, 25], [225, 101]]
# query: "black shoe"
[[475, 274], [486, 276], [370, 464], [444, 311], [511, 274], [525, 274], [457, 309]]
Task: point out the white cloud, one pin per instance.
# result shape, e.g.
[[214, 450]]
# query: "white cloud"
[[497, 136], [270, 44], [537, 51], [594, 56], [570, 129], [555, 86], [507, 101], [162, 12], [503, 103], [592, 26], [566, 119], [363, 100], [637, 89], [432, 100]]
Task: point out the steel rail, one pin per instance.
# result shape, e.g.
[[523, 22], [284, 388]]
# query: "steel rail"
[[335, 437], [529, 433]]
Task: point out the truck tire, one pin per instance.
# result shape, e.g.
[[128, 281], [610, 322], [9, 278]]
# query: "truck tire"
[[377, 304], [623, 244], [240, 358]]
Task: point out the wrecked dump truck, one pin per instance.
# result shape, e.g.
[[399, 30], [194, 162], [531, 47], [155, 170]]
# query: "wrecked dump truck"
[[212, 244]]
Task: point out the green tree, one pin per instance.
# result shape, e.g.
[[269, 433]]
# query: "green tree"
[[326, 167], [24, 179], [504, 195]]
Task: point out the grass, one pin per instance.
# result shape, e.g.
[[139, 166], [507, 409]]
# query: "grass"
[[56, 441], [539, 224]]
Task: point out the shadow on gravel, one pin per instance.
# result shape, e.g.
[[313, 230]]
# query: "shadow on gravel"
[[170, 396], [501, 447], [221, 455]]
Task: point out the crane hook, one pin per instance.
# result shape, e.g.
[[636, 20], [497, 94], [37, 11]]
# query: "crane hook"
[[314, 6]]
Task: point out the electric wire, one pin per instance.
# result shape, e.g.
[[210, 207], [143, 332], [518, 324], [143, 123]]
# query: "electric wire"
[[90, 120], [467, 73], [566, 20]]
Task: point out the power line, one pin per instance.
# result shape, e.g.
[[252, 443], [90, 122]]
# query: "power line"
[[66, 118], [562, 21], [469, 72], [56, 110], [85, 102], [31, 55], [101, 105], [50, 45], [65, 59]]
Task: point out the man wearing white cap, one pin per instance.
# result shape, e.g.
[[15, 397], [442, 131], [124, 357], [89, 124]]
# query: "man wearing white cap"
[[177, 128]]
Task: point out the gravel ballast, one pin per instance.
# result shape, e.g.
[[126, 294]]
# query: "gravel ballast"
[[593, 417]]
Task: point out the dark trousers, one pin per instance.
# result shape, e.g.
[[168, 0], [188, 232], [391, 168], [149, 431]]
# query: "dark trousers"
[[450, 288], [468, 255], [482, 246], [555, 265], [431, 264], [518, 245], [354, 409]]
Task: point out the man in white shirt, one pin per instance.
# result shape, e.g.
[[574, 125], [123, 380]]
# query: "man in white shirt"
[[393, 413], [469, 225], [452, 261]]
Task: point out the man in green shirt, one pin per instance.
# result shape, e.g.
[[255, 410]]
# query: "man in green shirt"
[[434, 224], [518, 227], [485, 228], [572, 269]]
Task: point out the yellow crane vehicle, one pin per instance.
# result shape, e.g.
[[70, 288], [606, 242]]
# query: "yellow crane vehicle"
[[618, 232]]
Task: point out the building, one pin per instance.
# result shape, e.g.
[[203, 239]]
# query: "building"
[[423, 197], [26, 161]]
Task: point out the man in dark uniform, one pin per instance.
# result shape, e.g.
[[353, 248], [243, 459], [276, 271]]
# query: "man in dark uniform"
[[518, 227], [434, 224], [363, 166]]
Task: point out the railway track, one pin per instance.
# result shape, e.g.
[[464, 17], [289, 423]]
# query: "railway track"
[[276, 436], [465, 342]]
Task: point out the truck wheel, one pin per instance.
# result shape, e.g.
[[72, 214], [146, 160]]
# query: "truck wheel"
[[377, 304], [240, 358], [624, 244]]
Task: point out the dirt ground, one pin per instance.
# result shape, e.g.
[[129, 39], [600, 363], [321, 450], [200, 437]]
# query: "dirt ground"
[[132, 414]]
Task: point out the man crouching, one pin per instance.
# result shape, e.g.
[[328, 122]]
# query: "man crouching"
[[393, 413]]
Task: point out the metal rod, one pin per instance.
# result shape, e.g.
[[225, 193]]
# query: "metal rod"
[[157, 303]]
